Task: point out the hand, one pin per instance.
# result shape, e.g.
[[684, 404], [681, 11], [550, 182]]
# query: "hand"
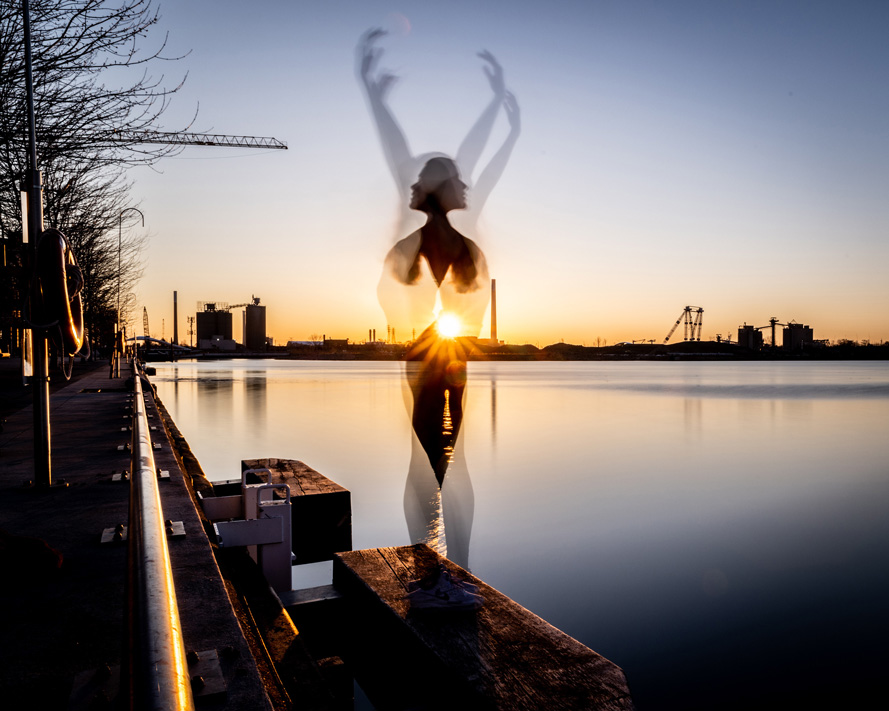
[[368, 59], [513, 115], [368, 56], [494, 73]]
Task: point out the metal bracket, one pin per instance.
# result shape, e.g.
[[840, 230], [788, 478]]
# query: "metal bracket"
[[221, 507], [265, 524], [253, 532], [205, 673], [175, 529], [118, 534]]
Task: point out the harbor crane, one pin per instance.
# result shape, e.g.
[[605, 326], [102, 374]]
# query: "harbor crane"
[[185, 138], [693, 324]]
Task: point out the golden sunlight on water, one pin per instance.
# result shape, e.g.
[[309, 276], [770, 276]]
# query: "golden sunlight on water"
[[447, 428], [436, 537]]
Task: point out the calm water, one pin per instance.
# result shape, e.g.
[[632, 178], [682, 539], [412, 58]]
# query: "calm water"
[[719, 530]]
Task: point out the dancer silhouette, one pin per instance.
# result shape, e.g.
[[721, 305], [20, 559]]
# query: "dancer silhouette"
[[435, 281]]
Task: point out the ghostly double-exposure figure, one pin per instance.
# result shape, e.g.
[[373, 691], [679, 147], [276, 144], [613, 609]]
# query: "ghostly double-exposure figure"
[[435, 286]]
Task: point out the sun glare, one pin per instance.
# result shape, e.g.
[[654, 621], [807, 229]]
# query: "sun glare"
[[448, 325]]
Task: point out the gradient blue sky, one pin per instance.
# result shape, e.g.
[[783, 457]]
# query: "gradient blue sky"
[[729, 155]]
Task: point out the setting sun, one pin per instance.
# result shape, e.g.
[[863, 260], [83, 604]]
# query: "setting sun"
[[448, 325]]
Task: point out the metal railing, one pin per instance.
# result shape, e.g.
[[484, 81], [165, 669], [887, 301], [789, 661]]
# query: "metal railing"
[[157, 669]]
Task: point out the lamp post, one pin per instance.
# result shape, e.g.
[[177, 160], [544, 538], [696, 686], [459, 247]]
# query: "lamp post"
[[119, 243], [33, 185]]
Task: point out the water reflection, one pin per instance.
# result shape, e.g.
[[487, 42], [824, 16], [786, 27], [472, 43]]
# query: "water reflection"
[[216, 396], [693, 415], [256, 399], [493, 409], [740, 559]]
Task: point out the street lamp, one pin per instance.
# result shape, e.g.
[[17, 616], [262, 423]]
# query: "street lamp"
[[119, 242]]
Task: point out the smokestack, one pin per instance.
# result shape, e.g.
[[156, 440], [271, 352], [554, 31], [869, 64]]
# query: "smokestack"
[[494, 310], [175, 318]]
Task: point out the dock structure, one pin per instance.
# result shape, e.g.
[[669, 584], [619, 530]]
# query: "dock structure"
[[501, 656], [63, 608], [321, 508]]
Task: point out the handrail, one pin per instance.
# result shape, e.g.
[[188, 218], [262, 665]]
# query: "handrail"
[[157, 671]]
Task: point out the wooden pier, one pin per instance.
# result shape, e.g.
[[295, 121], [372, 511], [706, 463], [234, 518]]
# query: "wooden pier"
[[499, 657]]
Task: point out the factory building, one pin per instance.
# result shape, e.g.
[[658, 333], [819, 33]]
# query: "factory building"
[[750, 337], [797, 336], [214, 325]]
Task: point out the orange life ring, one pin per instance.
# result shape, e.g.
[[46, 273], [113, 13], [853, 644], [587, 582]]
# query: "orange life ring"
[[58, 287]]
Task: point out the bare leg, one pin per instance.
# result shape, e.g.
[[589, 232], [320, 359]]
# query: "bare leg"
[[458, 507], [423, 502]]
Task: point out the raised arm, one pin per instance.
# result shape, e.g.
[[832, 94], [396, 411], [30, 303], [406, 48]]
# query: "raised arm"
[[472, 146], [492, 172], [377, 85]]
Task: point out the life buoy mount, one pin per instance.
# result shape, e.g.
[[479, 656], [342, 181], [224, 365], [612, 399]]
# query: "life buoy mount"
[[57, 288]]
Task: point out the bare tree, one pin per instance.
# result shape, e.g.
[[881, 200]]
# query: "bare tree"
[[95, 97]]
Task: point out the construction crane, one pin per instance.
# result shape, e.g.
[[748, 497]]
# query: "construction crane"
[[692, 324], [200, 139], [184, 138]]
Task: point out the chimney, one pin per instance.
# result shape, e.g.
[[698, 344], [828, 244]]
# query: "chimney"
[[494, 310], [175, 319]]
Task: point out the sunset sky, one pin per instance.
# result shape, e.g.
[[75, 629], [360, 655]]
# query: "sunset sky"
[[732, 155]]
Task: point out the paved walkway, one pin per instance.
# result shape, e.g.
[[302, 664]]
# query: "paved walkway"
[[62, 621]]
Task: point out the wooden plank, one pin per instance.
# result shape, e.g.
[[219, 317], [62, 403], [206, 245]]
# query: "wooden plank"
[[301, 478], [507, 657]]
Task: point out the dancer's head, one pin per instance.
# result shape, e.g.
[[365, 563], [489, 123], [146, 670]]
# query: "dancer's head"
[[439, 188]]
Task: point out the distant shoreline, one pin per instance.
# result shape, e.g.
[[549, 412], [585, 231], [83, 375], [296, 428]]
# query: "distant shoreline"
[[559, 352]]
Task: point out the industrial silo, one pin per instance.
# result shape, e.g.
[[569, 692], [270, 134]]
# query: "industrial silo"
[[254, 326]]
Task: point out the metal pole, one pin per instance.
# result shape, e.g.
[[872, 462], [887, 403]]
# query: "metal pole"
[[34, 189], [157, 671], [119, 242]]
